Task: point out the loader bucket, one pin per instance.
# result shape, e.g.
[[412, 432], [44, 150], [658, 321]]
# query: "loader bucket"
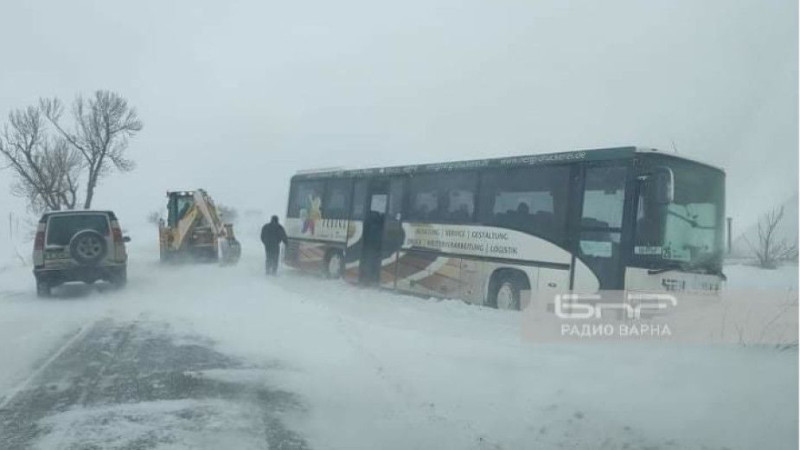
[[231, 250]]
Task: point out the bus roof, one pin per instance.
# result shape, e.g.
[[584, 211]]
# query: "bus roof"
[[602, 154], [643, 150]]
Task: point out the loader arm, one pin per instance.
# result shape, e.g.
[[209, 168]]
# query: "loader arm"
[[206, 207], [229, 246], [184, 227]]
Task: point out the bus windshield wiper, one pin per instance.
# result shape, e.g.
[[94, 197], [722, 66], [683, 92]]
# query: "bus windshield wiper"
[[667, 268], [710, 268], [693, 222], [686, 267]]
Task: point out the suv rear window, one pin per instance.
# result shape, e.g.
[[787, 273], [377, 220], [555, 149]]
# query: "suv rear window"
[[60, 229]]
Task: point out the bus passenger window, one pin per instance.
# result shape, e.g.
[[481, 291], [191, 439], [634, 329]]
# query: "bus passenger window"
[[529, 199], [448, 197], [603, 197], [359, 199], [425, 205], [461, 205], [424, 199], [337, 199], [459, 193], [306, 199]]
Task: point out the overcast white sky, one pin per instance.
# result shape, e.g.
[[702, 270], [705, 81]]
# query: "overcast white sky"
[[237, 95]]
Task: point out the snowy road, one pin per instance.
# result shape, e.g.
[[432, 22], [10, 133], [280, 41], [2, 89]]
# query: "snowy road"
[[209, 357], [132, 385]]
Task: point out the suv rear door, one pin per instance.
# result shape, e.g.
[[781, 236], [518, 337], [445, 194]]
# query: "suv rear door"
[[62, 227]]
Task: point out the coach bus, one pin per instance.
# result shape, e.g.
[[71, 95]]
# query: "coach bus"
[[500, 232]]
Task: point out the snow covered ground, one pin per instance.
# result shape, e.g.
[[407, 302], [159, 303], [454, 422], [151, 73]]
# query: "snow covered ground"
[[374, 369]]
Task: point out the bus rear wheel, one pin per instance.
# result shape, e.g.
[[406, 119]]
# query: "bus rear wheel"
[[333, 265], [506, 293]]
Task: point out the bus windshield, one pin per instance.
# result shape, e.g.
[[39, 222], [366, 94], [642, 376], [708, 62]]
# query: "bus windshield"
[[686, 233]]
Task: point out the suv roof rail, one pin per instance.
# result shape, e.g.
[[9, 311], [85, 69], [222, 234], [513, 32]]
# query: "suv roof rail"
[[78, 211]]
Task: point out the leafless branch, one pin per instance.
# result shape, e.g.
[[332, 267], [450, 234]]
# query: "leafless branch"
[[102, 125], [46, 168], [770, 249]]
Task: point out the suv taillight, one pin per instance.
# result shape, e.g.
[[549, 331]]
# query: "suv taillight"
[[38, 243], [116, 234]]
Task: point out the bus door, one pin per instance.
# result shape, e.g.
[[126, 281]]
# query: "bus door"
[[382, 232], [369, 267], [393, 235], [597, 227]]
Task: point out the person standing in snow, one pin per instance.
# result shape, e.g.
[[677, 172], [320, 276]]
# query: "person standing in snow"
[[272, 234]]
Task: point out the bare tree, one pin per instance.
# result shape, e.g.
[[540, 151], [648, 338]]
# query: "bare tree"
[[47, 169], [770, 249], [102, 126]]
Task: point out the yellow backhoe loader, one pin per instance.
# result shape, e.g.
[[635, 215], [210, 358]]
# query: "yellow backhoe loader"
[[194, 230]]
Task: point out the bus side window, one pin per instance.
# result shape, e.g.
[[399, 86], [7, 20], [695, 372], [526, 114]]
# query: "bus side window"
[[528, 199], [601, 222], [424, 203], [459, 194], [603, 197], [359, 199], [306, 201], [337, 199], [448, 197], [395, 209]]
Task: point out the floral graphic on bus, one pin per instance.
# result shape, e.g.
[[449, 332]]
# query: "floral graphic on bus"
[[311, 214]]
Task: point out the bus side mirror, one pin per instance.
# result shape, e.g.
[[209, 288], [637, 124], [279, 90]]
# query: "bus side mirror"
[[663, 182]]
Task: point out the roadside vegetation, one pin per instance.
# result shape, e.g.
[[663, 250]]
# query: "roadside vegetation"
[[58, 163]]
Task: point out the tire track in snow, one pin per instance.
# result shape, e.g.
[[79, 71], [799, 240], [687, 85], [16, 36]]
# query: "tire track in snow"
[[140, 377], [26, 382], [402, 392], [395, 388]]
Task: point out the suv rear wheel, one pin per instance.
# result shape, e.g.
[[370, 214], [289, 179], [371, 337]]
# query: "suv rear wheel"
[[120, 277], [42, 289]]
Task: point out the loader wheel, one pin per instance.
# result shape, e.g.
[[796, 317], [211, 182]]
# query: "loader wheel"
[[166, 256], [212, 254]]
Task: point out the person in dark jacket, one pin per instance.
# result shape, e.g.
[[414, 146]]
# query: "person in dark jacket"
[[272, 234], [372, 238]]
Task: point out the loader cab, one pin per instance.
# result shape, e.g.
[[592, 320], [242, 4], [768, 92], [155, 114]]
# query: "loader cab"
[[178, 204]]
